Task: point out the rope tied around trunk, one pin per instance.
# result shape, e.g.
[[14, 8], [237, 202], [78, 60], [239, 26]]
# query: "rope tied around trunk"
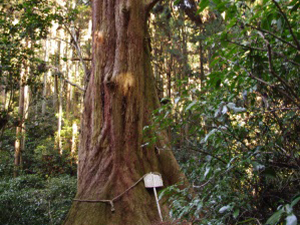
[[111, 202]]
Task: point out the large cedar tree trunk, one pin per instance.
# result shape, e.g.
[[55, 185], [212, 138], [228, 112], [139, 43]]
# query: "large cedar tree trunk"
[[119, 100]]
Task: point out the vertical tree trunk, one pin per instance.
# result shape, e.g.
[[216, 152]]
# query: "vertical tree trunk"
[[2, 105], [202, 75], [20, 130], [184, 48], [17, 158], [69, 89], [55, 93], [59, 118], [25, 117], [118, 103], [74, 138], [3, 94], [61, 71], [210, 53], [45, 78]]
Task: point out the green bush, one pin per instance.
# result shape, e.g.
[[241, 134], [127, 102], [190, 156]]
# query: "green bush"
[[30, 199], [237, 138]]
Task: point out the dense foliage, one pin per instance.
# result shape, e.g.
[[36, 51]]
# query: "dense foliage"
[[228, 79], [31, 199], [237, 138], [43, 192]]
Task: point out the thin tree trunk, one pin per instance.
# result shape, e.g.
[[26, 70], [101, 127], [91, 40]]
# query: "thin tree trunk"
[[45, 78], [25, 117], [59, 90], [184, 47], [20, 130], [3, 94], [210, 53], [17, 158], [202, 75], [118, 103], [169, 76], [2, 107], [69, 89], [74, 138], [59, 119], [55, 94]]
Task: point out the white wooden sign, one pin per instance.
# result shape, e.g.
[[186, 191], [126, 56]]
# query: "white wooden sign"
[[153, 180]]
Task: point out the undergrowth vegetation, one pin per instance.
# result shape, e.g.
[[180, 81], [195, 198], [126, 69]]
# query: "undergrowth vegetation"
[[234, 126], [237, 138], [35, 200]]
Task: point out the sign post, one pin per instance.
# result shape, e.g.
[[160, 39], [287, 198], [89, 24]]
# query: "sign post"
[[154, 180]]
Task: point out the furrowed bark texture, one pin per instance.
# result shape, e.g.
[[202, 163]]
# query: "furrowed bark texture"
[[119, 101]]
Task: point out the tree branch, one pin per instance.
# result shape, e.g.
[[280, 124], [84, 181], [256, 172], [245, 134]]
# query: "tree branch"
[[73, 84], [78, 50], [265, 50], [150, 4], [288, 23], [191, 12], [266, 83], [272, 71], [251, 75], [78, 59], [273, 35], [196, 149]]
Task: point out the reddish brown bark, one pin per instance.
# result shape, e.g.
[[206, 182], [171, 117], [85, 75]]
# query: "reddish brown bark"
[[118, 103]]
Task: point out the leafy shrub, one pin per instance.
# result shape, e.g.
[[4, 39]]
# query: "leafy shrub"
[[238, 137], [33, 200]]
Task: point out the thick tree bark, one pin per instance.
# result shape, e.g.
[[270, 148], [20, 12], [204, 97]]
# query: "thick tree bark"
[[118, 103]]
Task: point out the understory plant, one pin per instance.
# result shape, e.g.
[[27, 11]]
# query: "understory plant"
[[35, 200], [237, 136]]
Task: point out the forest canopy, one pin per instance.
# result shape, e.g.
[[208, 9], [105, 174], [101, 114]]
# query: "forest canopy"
[[227, 77]]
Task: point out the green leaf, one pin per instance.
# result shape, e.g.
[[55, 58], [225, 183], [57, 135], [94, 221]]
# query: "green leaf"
[[295, 200], [208, 135], [275, 217], [221, 5], [231, 13], [236, 213], [176, 100], [231, 23], [217, 2], [190, 105], [214, 62], [269, 172], [224, 208], [246, 221], [203, 4], [257, 166], [176, 2]]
